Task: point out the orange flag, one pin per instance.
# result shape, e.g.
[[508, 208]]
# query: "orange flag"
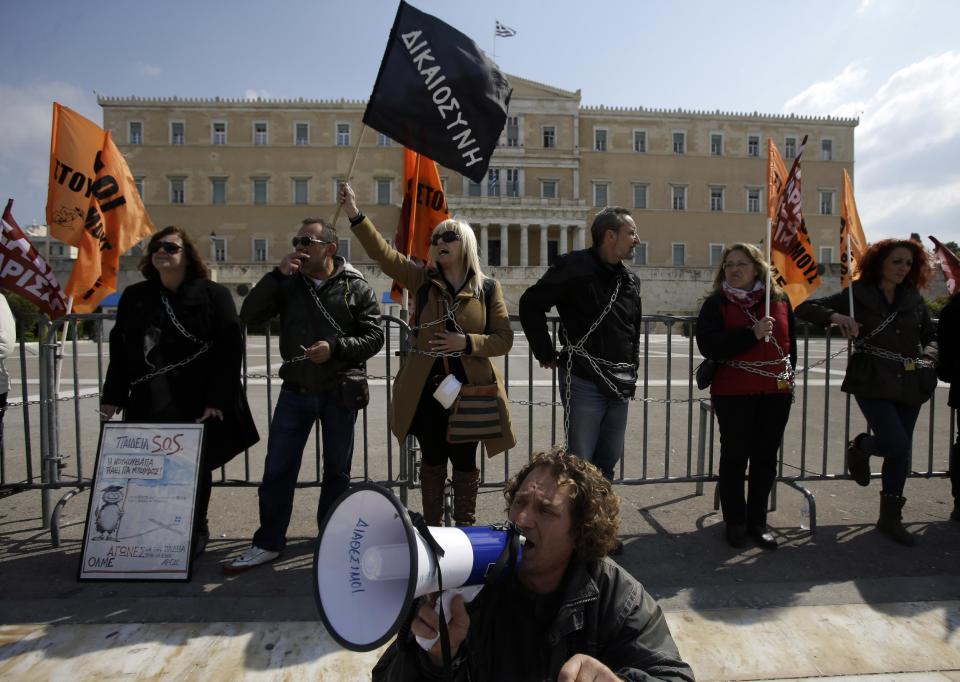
[[424, 207], [92, 203], [793, 265], [852, 230]]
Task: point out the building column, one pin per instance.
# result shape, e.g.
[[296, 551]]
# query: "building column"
[[524, 246], [581, 236], [576, 183], [504, 245], [562, 239], [484, 237], [544, 229]]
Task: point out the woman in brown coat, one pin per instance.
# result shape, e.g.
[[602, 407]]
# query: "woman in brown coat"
[[461, 322]]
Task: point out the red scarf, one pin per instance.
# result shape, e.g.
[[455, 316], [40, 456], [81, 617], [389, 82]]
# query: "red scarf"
[[744, 299]]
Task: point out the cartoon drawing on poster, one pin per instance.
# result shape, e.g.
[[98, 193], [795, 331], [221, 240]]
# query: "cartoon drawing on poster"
[[140, 517]]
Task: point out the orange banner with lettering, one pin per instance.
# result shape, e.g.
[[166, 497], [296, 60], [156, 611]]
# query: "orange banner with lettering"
[[93, 204], [850, 230], [793, 265]]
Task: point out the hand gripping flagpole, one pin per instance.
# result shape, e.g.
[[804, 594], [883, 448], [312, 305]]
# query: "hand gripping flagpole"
[[356, 153]]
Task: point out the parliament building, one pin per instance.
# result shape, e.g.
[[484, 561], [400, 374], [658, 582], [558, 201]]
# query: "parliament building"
[[239, 175]]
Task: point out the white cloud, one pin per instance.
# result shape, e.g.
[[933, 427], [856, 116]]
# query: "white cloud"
[[863, 6], [907, 144], [148, 70], [257, 94]]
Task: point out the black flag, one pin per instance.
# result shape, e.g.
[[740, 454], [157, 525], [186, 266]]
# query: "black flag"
[[438, 94]]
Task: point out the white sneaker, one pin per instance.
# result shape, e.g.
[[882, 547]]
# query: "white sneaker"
[[251, 557]]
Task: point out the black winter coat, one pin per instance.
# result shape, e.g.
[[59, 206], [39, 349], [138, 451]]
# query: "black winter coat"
[[580, 286], [948, 340], [911, 334], [145, 339], [600, 610], [349, 300]]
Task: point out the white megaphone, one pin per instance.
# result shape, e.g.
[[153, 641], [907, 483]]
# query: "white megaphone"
[[371, 563]]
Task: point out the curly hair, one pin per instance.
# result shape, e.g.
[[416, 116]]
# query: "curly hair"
[[196, 268], [594, 506], [870, 267]]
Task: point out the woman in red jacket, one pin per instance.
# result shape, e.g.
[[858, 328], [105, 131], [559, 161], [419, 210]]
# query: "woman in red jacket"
[[752, 388]]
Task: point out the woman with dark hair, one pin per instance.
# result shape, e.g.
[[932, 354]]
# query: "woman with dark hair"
[[175, 354], [752, 388], [892, 370]]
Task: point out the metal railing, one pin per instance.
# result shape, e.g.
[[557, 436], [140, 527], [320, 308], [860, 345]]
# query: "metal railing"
[[663, 443]]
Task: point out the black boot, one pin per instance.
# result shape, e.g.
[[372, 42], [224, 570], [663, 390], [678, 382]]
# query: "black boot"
[[858, 461], [737, 535], [762, 536], [891, 519]]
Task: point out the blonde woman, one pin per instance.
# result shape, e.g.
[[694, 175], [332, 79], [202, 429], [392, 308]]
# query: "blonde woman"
[[461, 322], [752, 389]]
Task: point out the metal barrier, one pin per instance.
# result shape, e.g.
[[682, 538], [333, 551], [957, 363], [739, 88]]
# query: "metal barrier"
[[662, 443]]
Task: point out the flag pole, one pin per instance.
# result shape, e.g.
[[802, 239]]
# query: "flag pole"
[[356, 153], [850, 271], [766, 243], [63, 341]]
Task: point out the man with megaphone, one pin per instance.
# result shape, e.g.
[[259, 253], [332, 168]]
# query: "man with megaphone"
[[569, 613]]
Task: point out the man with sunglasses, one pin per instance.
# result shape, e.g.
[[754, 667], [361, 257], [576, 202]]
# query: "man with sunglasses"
[[329, 327]]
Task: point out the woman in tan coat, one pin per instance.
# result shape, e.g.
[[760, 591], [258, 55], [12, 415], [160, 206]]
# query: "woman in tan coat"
[[461, 322]]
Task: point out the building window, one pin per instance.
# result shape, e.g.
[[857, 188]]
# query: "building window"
[[384, 186], [753, 201], [678, 197], [382, 140], [826, 254], [549, 137], [826, 150], [493, 252], [218, 249], [177, 190], [259, 250], [601, 194], [138, 183], [679, 143], [493, 182], [640, 196], [343, 249], [548, 189], [716, 144], [260, 133], [826, 202], [301, 190], [343, 134], [716, 252], [218, 190], [679, 253], [640, 141], [640, 254], [219, 132], [753, 145], [513, 182], [513, 131], [473, 189], [716, 198], [301, 134], [790, 147], [177, 132], [135, 132], [259, 190], [600, 139]]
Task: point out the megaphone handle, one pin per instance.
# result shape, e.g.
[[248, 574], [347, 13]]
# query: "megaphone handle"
[[468, 594]]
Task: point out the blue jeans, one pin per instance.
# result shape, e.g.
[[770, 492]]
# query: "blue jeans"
[[292, 421], [597, 423], [892, 425]]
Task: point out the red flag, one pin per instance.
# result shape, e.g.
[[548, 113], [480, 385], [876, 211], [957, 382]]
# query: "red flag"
[[24, 272], [424, 207], [793, 265], [949, 263]]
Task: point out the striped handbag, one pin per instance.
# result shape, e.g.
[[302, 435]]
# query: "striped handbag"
[[475, 415]]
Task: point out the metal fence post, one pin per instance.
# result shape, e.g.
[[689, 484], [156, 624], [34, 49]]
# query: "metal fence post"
[[49, 427]]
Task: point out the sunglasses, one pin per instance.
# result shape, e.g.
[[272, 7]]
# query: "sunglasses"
[[306, 241], [447, 237], [168, 247]]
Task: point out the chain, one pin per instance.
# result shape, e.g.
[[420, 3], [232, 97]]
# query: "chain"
[[450, 314], [861, 346], [754, 366], [205, 346]]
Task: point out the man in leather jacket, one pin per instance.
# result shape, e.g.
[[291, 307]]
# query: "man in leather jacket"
[[329, 326], [600, 372], [569, 613]]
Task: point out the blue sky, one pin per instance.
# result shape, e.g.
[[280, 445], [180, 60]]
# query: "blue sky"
[[895, 64]]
